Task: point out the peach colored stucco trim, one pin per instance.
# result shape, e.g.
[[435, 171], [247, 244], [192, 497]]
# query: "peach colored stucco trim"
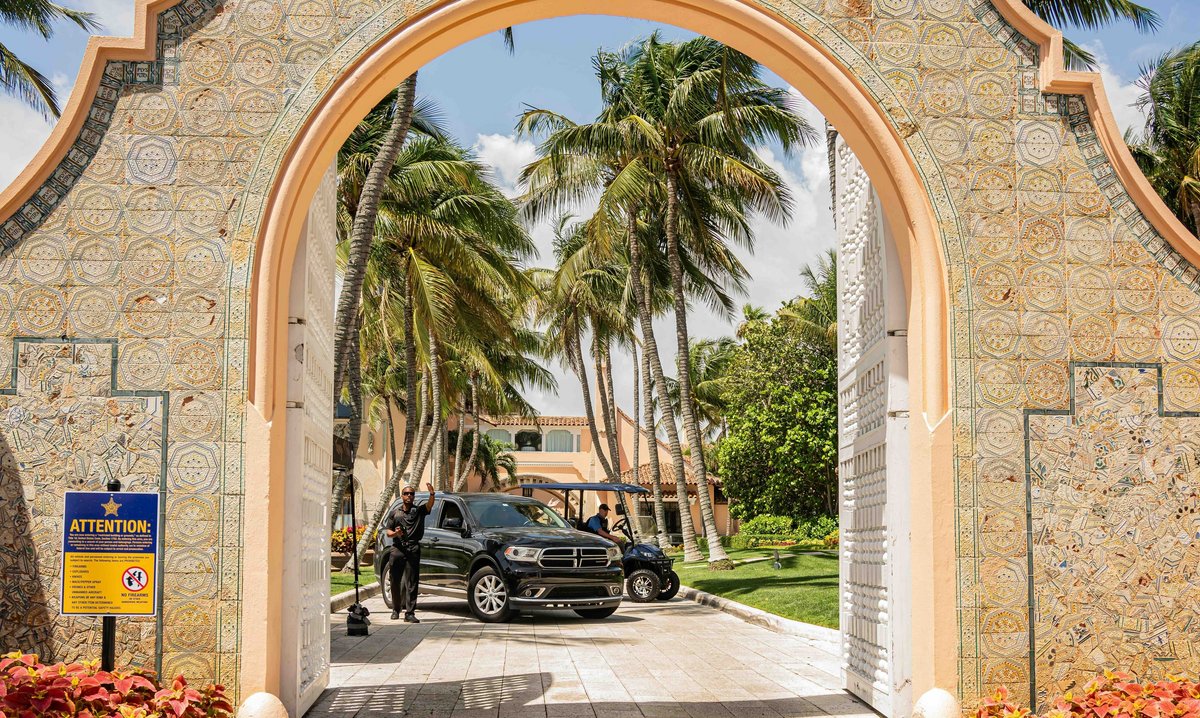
[[799, 61], [737, 22]]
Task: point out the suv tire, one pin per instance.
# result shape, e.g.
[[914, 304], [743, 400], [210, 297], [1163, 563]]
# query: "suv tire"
[[671, 588], [643, 586], [604, 612], [385, 583], [487, 595]]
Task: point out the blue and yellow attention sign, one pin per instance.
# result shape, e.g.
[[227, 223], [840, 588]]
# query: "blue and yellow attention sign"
[[110, 549]]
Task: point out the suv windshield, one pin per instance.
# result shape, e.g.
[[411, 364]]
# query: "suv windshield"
[[493, 514]]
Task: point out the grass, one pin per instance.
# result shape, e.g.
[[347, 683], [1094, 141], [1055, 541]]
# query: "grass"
[[804, 589], [339, 582]]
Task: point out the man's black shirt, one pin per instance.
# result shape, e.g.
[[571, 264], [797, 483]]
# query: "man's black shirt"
[[411, 523]]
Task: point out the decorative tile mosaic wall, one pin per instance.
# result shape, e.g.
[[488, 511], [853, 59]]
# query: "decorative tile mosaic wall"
[[144, 237]]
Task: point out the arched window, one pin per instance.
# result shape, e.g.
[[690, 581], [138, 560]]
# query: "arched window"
[[560, 440], [529, 440], [500, 435]]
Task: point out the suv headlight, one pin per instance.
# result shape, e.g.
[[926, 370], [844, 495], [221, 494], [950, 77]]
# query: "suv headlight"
[[614, 553], [523, 554]]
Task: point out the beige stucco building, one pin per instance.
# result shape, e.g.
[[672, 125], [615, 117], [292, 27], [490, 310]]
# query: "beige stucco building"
[[548, 449]]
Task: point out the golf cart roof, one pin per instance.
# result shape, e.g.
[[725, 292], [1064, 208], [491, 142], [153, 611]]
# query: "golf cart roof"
[[620, 488]]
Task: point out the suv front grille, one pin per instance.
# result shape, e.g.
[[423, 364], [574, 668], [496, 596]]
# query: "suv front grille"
[[574, 558]]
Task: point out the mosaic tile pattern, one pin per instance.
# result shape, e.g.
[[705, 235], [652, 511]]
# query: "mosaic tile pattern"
[[145, 235], [1113, 507]]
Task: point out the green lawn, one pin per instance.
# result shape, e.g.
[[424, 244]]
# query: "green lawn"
[[339, 582], [805, 589]]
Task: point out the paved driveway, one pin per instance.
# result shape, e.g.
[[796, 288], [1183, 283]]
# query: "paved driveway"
[[656, 660]]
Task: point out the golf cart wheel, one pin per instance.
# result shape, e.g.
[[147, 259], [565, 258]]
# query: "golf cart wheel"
[[385, 583], [487, 595], [670, 588], [596, 612], [643, 586]]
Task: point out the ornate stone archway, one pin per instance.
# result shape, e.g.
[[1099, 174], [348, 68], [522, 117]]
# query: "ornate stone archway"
[[1043, 277]]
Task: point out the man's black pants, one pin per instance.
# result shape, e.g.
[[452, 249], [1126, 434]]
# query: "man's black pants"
[[405, 573]]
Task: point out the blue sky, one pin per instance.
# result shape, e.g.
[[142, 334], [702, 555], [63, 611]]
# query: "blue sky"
[[481, 89]]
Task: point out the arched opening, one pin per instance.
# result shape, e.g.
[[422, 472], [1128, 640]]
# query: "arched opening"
[[919, 279]]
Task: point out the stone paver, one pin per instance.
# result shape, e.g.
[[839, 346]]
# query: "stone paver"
[[666, 660]]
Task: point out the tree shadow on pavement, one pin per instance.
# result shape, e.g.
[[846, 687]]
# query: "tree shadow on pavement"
[[525, 696]]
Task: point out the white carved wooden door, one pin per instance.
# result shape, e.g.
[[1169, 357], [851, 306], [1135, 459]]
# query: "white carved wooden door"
[[873, 452], [305, 655]]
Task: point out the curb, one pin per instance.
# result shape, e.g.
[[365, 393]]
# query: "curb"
[[346, 598], [829, 639]]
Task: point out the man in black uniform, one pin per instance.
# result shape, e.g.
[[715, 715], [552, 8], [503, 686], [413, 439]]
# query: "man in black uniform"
[[405, 526]]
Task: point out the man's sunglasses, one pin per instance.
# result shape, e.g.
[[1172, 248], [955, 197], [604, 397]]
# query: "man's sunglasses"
[[406, 493]]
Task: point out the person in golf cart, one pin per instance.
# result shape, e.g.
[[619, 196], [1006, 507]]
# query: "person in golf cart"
[[598, 524]]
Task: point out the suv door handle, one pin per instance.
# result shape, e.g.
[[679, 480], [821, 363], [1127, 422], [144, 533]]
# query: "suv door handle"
[[435, 539]]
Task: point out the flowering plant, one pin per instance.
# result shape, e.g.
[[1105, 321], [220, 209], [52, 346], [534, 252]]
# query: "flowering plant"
[[31, 689], [343, 541], [1113, 695]]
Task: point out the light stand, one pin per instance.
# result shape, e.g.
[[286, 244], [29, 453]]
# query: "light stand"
[[357, 622]]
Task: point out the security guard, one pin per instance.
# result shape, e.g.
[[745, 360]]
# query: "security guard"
[[405, 526]]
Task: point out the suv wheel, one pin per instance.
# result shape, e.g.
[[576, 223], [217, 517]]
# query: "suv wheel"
[[671, 588], [643, 586], [488, 596], [596, 612], [385, 582]]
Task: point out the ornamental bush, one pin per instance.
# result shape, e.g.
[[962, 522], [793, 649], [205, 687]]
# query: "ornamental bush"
[[767, 524], [832, 539], [31, 689], [1113, 694], [817, 528]]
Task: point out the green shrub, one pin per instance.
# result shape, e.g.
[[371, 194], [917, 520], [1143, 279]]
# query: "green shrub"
[[817, 528], [767, 524]]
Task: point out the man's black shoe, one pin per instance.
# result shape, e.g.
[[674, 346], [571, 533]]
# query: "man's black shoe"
[[395, 615], [411, 618]]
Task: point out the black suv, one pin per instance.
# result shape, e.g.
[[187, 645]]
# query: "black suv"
[[507, 553]]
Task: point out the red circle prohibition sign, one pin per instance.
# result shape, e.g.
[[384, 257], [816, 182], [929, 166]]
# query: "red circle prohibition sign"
[[134, 579]]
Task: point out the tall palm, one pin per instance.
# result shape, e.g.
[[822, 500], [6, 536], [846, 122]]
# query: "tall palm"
[[453, 243], [1169, 152], [710, 362], [17, 77], [708, 107], [489, 458], [1091, 15]]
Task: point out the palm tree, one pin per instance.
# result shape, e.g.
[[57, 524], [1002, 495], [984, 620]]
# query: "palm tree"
[[17, 77], [1091, 15], [1169, 152], [447, 285], [710, 361], [751, 315], [707, 107], [815, 316], [487, 459]]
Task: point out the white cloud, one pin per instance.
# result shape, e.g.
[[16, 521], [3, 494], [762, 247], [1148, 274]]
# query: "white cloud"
[[507, 156], [22, 132], [1122, 93], [116, 16]]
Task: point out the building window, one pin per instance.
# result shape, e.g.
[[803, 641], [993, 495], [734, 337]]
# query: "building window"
[[500, 435], [529, 440], [560, 440], [719, 496]]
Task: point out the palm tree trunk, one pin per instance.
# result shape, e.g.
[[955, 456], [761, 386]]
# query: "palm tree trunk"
[[581, 372], [435, 406], [660, 510], [469, 465], [458, 457], [691, 550], [717, 558], [637, 430], [411, 400], [614, 437], [363, 231], [605, 408]]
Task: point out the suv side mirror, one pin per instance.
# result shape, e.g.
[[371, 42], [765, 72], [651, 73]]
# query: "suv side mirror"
[[453, 523]]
